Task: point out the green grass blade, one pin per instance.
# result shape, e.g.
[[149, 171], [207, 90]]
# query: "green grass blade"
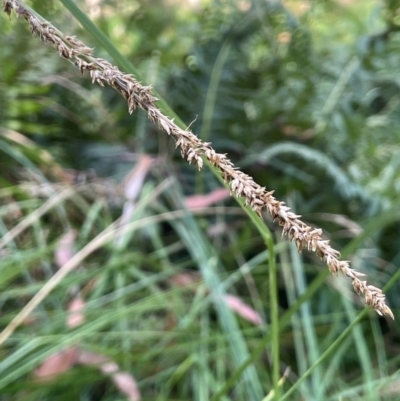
[[335, 345], [119, 59], [308, 324]]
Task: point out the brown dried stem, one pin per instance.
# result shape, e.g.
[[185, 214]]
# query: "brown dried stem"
[[192, 149]]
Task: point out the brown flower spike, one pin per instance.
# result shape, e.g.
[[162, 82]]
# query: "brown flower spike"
[[192, 149]]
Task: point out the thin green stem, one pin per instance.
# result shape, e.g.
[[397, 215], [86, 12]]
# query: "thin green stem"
[[212, 91], [338, 342], [210, 100], [273, 288], [274, 307], [284, 321], [335, 345]]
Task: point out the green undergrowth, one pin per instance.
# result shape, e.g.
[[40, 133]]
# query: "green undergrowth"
[[206, 303]]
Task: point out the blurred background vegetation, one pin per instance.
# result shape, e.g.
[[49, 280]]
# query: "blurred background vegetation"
[[302, 95]]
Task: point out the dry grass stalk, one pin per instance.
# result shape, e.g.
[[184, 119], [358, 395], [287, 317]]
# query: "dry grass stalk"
[[192, 149]]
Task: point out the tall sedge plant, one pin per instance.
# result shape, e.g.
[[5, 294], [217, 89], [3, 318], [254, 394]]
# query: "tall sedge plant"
[[193, 150]]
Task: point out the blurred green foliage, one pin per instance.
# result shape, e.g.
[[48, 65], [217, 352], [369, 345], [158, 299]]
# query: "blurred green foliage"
[[305, 97]]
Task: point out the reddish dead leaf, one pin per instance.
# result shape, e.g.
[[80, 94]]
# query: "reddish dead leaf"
[[109, 368], [65, 248], [76, 316], [63, 361], [133, 183], [57, 364], [200, 201], [184, 279], [90, 358], [242, 309], [127, 385], [124, 381]]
